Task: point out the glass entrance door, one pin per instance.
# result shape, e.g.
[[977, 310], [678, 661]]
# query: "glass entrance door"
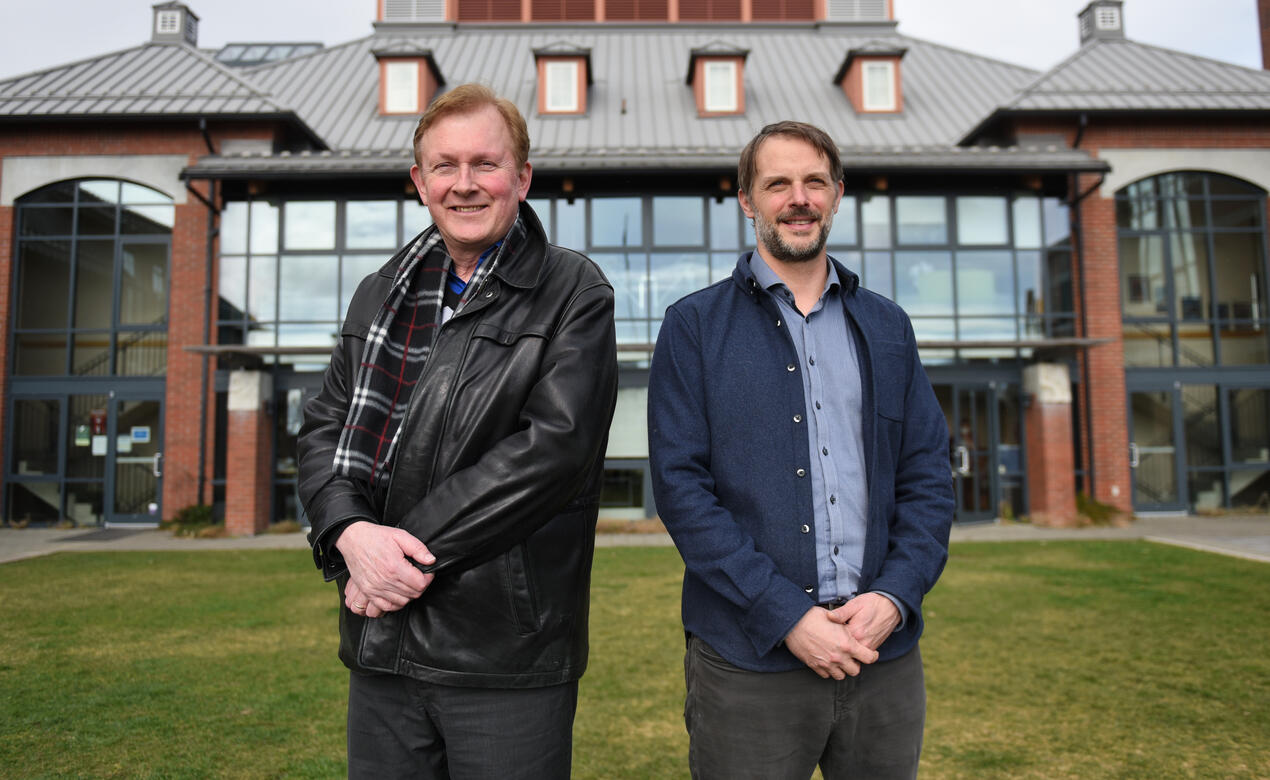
[[1153, 454], [136, 471], [970, 411]]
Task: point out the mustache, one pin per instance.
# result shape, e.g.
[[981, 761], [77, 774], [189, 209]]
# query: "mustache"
[[798, 212]]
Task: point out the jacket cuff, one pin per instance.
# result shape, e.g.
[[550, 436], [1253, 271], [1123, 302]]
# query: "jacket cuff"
[[325, 555], [774, 614]]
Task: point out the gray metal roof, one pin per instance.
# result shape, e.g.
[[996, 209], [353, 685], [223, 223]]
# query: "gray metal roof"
[[1123, 75], [152, 80], [389, 163], [638, 106]]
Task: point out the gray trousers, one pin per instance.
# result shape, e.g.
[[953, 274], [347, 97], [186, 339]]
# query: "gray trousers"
[[781, 725], [401, 727]]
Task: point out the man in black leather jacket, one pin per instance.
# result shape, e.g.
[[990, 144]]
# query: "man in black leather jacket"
[[451, 468]]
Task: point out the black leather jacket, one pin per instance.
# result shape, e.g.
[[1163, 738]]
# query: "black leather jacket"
[[498, 472]]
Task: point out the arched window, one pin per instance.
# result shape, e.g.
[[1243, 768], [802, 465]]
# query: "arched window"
[[92, 280]]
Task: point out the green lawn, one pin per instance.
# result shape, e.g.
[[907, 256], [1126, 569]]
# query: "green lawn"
[[1077, 660]]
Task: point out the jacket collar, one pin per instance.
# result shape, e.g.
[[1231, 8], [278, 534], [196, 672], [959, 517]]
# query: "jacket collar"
[[744, 276]]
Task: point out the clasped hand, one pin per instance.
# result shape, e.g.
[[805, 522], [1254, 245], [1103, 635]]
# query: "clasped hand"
[[381, 577], [836, 643]]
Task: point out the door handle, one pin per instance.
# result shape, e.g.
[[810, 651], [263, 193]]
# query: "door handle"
[[963, 454], [157, 468], [1133, 456]]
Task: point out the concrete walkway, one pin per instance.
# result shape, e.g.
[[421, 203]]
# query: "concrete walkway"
[[1242, 536]]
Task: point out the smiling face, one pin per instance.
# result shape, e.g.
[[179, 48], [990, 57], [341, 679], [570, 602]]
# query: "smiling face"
[[468, 178], [792, 200]]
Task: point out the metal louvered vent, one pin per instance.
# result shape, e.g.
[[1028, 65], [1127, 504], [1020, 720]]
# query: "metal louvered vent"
[[414, 10], [856, 11]]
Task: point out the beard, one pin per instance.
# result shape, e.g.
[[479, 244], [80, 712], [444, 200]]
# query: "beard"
[[770, 238]]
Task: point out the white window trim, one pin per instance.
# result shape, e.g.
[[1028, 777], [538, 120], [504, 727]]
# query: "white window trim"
[[401, 87], [560, 84], [167, 22], [719, 92], [877, 73]]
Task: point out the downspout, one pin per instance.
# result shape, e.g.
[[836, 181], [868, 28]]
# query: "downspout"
[[212, 230], [1079, 244]]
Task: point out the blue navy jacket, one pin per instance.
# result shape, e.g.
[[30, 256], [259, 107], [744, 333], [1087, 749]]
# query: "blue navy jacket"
[[729, 456]]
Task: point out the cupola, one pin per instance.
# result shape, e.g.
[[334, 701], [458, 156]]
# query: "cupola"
[[1102, 20], [174, 23]]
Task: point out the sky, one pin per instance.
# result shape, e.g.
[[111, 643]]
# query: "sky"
[[37, 34]]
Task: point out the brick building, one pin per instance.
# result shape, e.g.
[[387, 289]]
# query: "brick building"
[[1083, 251]]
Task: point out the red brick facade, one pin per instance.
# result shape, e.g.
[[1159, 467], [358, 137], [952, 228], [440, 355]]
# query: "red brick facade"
[[248, 475]]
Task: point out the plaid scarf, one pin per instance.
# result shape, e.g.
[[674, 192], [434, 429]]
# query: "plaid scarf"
[[397, 347]]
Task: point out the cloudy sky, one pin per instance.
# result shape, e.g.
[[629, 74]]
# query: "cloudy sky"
[[36, 34]]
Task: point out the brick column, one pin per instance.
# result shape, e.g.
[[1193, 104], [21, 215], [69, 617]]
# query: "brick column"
[[1051, 462], [248, 476]]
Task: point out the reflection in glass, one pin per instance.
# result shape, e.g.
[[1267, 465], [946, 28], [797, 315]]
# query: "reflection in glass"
[[1058, 285], [1058, 224], [1155, 478], [415, 219], [232, 288], [318, 334], [1250, 425], [1206, 490], [1228, 185], [985, 283], [628, 275], [141, 353], [85, 503], [1147, 345], [843, 232], [147, 220], [136, 486], [34, 437], [1249, 488], [678, 221], [571, 224], [264, 227], [722, 264], [542, 207], [877, 273], [1031, 300], [1184, 214], [308, 287], [628, 435], [875, 215], [1142, 281], [1236, 213], [616, 222], [33, 502], [921, 220], [98, 191], [367, 223], [39, 354], [1201, 417], [354, 269], [933, 329], [46, 222], [94, 281], [44, 275], [1240, 290], [981, 220], [137, 194], [1190, 276], [1195, 344], [262, 288], [986, 328], [95, 221], [90, 353], [635, 332], [1244, 344], [1027, 222], [923, 282], [310, 224], [143, 284], [233, 228], [672, 276], [725, 223]]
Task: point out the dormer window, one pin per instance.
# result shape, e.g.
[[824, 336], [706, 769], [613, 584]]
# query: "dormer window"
[[564, 71], [167, 22], [879, 85], [716, 74], [407, 81], [870, 78]]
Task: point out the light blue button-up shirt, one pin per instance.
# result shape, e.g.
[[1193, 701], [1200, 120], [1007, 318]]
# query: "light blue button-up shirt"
[[834, 401]]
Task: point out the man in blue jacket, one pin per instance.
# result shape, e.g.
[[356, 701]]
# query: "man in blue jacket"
[[800, 461]]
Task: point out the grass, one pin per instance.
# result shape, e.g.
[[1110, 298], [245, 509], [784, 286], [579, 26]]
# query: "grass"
[[1043, 660]]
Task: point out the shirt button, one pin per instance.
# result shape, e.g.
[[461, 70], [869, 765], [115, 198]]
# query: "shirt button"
[[805, 529], [801, 472], [817, 404], [808, 588], [833, 499], [824, 450], [798, 418], [811, 360], [489, 294], [835, 549], [790, 367], [778, 323]]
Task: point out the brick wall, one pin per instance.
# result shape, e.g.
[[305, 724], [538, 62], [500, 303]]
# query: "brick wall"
[[187, 290], [247, 473]]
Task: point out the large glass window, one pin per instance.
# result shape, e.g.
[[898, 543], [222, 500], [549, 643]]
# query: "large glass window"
[[1193, 271], [92, 280]]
